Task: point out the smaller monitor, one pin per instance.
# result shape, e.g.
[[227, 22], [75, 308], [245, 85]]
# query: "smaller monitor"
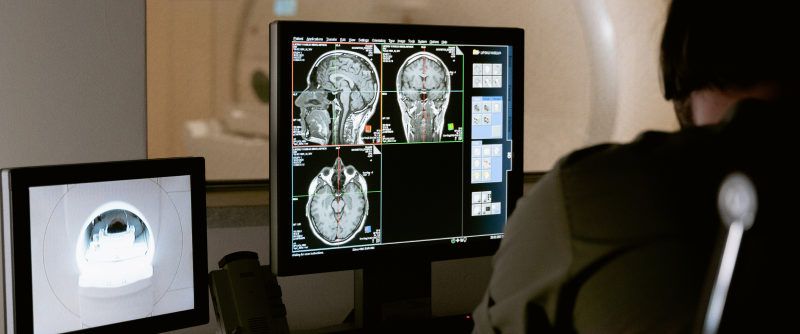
[[105, 247]]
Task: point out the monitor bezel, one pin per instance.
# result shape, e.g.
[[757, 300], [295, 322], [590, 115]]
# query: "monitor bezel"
[[281, 33], [22, 179]]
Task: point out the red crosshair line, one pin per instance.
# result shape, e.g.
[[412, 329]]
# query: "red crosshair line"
[[338, 188], [424, 97]]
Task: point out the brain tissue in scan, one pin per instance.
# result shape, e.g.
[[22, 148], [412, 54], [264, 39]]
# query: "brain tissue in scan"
[[423, 86], [340, 97], [337, 205]]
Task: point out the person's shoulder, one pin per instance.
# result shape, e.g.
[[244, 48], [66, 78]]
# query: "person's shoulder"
[[616, 153], [610, 189]]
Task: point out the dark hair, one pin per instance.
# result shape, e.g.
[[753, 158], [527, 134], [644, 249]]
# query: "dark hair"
[[728, 44]]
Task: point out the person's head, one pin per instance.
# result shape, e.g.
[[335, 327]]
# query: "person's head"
[[716, 52]]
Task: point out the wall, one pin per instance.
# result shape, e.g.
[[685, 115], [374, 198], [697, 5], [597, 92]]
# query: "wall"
[[640, 102], [72, 81]]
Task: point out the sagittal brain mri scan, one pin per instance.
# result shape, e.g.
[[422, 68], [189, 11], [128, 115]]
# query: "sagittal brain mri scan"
[[341, 96], [337, 204], [423, 86]]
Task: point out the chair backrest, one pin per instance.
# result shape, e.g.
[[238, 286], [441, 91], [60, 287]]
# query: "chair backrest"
[[759, 273], [654, 275], [738, 204], [760, 270]]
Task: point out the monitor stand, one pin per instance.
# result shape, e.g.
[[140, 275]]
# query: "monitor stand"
[[396, 298], [393, 294]]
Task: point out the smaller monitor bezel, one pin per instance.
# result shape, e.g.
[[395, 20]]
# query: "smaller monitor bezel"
[[22, 179], [281, 33]]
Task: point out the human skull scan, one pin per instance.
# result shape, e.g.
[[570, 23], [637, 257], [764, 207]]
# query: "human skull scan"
[[423, 92], [337, 205], [340, 97]]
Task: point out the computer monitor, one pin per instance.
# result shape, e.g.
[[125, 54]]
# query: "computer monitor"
[[105, 247], [391, 143]]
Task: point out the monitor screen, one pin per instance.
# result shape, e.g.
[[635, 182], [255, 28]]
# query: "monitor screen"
[[104, 245], [391, 141]]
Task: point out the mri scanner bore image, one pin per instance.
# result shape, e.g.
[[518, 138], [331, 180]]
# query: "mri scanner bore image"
[[119, 238], [108, 252]]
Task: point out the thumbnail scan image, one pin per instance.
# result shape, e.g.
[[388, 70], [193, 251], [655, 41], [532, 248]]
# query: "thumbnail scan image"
[[108, 252], [340, 97], [337, 205], [423, 86]]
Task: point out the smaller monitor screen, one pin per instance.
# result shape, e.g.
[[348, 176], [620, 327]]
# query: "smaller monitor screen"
[[109, 252]]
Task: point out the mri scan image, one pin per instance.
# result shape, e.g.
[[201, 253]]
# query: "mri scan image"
[[115, 236], [423, 92], [109, 252], [340, 97], [337, 204]]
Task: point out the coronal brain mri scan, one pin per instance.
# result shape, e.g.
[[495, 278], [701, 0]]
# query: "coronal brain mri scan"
[[337, 205], [340, 97], [423, 86]]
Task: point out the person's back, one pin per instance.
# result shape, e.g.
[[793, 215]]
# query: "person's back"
[[640, 243], [619, 237], [654, 209], [640, 223]]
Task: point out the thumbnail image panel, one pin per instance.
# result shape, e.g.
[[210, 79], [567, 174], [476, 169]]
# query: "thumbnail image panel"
[[423, 93], [487, 117], [487, 210], [336, 201], [335, 93]]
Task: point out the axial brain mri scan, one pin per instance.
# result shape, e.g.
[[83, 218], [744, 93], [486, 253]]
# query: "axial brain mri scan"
[[423, 85], [341, 96], [337, 205]]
